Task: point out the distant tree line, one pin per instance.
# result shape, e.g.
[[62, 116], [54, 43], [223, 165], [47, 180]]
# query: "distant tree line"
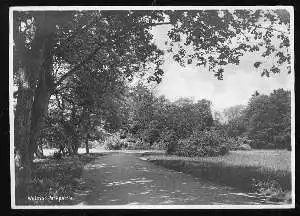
[[266, 120], [263, 124]]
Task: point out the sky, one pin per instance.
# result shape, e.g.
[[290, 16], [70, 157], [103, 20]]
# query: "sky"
[[239, 82]]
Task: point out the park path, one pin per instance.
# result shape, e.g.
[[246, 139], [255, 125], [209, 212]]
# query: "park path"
[[123, 178]]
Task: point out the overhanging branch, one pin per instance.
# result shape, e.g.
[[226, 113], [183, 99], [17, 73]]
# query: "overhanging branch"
[[70, 72]]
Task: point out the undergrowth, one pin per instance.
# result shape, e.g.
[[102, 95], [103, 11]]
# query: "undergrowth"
[[54, 180]]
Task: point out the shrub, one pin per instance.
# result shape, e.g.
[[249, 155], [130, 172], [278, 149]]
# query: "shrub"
[[282, 141], [114, 142], [139, 145], [159, 145], [239, 143], [168, 140], [152, 132], [201, 143], [245, 147]]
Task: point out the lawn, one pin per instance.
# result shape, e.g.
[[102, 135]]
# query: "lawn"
[[266, 172], [277, 160]]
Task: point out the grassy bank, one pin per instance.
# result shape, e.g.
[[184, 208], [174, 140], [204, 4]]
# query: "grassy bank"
[[54, 180], [264, 172]]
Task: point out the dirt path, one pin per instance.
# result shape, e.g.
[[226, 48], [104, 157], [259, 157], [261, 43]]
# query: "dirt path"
[[123, 178]]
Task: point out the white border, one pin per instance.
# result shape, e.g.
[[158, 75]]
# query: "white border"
[[65, 8], [293, 102], [11, 111], [68, 8]]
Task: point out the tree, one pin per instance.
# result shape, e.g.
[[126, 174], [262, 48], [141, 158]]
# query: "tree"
[[282, 120], [110, 41], [33, 43], [185, 116], [152, 116], [221, 37], [142, 106], [268, 117], [233, 112]]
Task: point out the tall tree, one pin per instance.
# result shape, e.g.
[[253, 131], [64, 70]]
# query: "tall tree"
[[115, 42], [269, 116], [221, 37], [233, 112]]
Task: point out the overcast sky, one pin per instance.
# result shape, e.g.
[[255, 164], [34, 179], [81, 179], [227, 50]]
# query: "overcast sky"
[[238, 85]]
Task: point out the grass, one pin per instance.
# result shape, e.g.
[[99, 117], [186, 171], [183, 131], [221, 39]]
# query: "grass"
[[276, 160], [54, 180], [267, 172]]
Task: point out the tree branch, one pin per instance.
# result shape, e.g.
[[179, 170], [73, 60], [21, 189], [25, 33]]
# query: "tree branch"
[[88, 58]]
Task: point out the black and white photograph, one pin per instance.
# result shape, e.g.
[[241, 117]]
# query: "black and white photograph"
[[156, 107]]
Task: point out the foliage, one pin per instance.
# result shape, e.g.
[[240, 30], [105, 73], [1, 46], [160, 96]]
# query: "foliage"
[[234, 112], [268, 120], [83, 59], [92, 45], [114, 142], [73, 67], [152, 133], [139, 145], [55, 180], [202, 143], [152, 118], [221, 37], [239, 143], [168, 141], [236, 127]]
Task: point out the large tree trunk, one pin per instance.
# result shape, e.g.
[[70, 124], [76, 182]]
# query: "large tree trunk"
[[35, 86], [72, 137], [22, 135], [32, 101], [43, 91]]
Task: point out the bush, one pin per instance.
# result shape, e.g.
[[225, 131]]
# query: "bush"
[[152, 132], [168, 140], [244, 147], [139, 145], [114, 142], [239, 143], [282, 141], [201, 143]]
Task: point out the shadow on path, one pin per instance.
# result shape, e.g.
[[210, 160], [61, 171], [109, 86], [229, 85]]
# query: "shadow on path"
[[122, 178]]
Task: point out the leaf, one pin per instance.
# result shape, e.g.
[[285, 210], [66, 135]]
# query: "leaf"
[[265, 73], [275, 70], [257, 64]]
